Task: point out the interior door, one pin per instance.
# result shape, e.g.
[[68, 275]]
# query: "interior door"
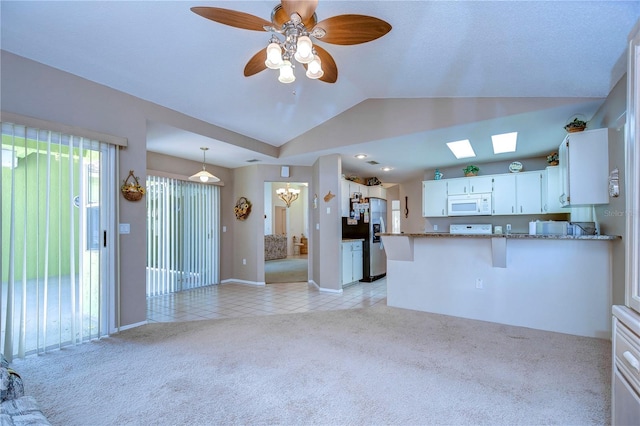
[[281, 220]]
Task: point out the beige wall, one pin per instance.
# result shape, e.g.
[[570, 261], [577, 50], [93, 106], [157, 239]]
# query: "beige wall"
[[325, 227]]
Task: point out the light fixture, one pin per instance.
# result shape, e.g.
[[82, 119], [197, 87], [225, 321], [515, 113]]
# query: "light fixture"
[[288, 195], [296, 45], [506, 142], [461, 149], [360, 156], [386, 169], [204, 176]]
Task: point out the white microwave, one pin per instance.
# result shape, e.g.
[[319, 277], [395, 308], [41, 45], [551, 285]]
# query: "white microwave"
[[469, 205]]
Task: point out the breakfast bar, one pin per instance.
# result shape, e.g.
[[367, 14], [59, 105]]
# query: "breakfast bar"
[[547, 282]]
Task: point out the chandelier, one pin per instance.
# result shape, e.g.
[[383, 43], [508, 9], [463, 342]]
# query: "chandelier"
[[204, 176], [296, 45], [288, 195]]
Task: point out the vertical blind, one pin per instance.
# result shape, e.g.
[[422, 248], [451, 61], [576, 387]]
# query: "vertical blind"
[[56, 202], [183, 242]]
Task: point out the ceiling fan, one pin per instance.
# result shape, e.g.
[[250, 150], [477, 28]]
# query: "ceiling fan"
[[296, 22]]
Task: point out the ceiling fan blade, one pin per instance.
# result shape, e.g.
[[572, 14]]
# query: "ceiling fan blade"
[[328, 65], [232, 18], [353, 29], [255, 64], [304, 8]]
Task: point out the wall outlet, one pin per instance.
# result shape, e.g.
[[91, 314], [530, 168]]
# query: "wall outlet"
[[244, 261], [435, 227], [479, 283]]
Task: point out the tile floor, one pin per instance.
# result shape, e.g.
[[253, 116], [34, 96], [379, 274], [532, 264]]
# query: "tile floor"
[[241, 300]]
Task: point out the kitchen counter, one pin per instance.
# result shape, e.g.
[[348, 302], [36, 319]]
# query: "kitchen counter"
[[547, 282], [350, 240]]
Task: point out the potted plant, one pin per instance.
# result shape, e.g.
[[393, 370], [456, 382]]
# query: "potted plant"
[[471, 170], [576, 125], [553, 159]]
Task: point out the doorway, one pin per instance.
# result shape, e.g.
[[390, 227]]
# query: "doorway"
[[286, 228]]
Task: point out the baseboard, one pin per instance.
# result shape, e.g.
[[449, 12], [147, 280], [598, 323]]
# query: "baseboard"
[[231, 280], [329, 290], [129, 326]]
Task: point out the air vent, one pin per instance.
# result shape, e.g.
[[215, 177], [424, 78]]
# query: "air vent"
[[253, 160], [373, 162]]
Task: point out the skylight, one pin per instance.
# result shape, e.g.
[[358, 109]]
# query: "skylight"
[[505, 142], [461, 149]]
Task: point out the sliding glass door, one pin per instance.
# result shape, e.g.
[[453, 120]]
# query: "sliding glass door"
[[183, 220], [58, 201]]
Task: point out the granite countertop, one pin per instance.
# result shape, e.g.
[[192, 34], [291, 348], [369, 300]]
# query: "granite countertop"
[[348, 240], [517, 236]]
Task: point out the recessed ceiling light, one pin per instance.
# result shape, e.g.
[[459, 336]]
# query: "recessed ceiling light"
[[461, 149], [386, 169], [361, 156], [505, 142]]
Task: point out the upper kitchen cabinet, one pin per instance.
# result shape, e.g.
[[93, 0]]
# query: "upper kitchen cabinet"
[[517, 193], [470, 185], [377, 191], [434, 198], [551, 191], [584, 168]]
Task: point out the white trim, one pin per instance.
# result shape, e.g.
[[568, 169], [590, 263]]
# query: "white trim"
[[134, 325], [235, 281], [61, 128], [329, 290]]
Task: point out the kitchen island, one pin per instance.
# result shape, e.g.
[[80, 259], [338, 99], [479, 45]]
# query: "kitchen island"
[[546, 282]]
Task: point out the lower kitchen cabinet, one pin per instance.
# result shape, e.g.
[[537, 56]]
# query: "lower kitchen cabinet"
[[352, 261]]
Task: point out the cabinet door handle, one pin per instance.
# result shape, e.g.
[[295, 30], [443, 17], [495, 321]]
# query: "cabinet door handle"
[[511, 209], [442, 212], [472, 189], [632, 360], [520, 209]]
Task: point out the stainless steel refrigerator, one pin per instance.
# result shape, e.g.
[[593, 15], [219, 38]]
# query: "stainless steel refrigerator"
[[375, 258]]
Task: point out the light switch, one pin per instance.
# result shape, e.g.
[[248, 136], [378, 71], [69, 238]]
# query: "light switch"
[[224, 229], [125, 228], [317, 226], [328, 210]]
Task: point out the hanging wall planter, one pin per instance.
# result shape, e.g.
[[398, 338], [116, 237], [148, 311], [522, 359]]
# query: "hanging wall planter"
[[131, 188], [242, 208]]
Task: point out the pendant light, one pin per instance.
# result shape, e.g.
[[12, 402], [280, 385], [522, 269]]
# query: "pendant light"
[[204, 176]]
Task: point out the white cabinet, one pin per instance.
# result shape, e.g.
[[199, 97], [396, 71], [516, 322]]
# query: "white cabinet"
[[517, 193], [551, 191], [377, 191], [348, 188], [352, 262], [434, 198], [584, 168], [471, 185], [504, 194], [529, 192]]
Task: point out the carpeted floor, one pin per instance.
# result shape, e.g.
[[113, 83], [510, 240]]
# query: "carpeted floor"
[[370, 366], [292, 269]]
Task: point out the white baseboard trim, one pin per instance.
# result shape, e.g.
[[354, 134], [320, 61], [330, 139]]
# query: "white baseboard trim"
[[232, 280], [329, 290], [129, 326]]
